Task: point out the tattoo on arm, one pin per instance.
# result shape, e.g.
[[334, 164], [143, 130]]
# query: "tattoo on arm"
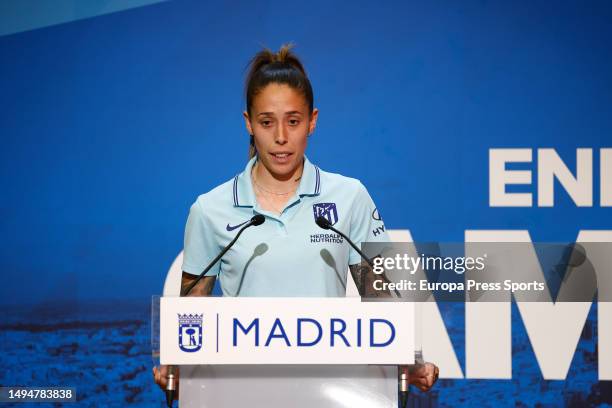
[[357, 277], [364, 278], [203, 288]]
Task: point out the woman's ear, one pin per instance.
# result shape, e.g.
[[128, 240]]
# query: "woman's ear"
[[313, 121], [247, 122]]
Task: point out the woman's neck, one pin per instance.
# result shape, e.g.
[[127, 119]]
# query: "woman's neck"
[[274, 184]]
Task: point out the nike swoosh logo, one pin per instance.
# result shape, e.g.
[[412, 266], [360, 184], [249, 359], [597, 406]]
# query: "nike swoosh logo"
[[233, 227]]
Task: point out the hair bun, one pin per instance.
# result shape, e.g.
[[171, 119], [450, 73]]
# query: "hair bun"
[[284, 53], [283, 57]]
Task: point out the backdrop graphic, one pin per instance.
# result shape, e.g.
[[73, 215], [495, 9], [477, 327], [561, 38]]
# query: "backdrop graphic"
[[112, 125]]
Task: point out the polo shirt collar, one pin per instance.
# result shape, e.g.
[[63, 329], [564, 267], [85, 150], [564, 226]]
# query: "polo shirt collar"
[[244, 196]]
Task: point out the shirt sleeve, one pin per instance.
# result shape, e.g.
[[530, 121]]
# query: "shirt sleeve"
[[200, 245], [366, 225]]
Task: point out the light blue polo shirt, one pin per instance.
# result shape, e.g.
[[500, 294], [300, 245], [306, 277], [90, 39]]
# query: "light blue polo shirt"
[[289, 254]]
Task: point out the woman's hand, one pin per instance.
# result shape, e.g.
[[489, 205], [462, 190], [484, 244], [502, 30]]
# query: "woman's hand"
[[160, 373], [202, 288], [423, 376]]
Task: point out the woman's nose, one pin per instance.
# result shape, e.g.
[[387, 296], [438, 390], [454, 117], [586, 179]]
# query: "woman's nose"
[[281, 135]]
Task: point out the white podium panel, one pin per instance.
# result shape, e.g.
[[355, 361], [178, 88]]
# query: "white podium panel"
[[330, 373], [299, 386], [335, 331]]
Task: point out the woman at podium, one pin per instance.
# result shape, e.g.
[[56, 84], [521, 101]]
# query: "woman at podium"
[[289, 254]]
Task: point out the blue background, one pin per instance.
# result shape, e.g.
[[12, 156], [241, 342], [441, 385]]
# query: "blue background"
[[112, 125]]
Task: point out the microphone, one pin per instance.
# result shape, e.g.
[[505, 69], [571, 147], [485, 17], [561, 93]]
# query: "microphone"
[[326, 225], [256, 220]]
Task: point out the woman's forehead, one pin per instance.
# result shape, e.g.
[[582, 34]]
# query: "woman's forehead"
[[279, 98]]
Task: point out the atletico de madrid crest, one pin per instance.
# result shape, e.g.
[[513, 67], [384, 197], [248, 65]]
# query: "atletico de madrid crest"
[[190, 332], [327, 210]]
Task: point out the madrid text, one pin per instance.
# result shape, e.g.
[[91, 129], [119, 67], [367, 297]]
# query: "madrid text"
[[307, 332]]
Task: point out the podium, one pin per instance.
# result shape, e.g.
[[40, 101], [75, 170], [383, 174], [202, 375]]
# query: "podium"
[[299, 386], [290, 379]]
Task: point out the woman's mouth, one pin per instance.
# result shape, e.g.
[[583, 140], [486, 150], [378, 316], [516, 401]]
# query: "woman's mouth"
[[281, 157]]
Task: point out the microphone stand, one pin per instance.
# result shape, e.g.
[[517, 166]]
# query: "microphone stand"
[[171, 377], [403, 371], [325, 224]]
